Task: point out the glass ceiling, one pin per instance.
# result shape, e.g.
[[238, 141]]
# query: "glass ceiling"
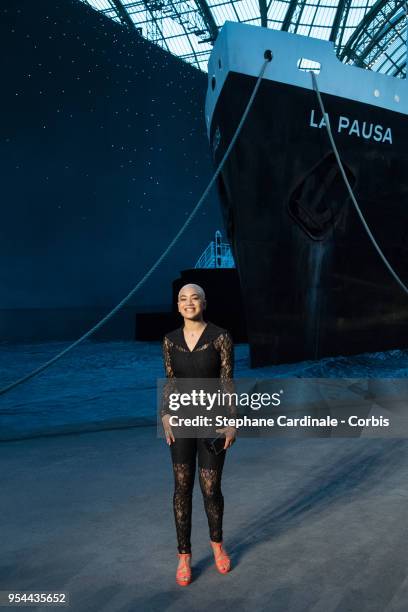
[[369, 33]]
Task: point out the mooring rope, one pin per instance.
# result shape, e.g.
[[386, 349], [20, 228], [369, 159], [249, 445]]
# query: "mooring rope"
[[349, 188]]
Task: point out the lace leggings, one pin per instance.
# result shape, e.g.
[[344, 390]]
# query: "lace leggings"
[[184, 452]]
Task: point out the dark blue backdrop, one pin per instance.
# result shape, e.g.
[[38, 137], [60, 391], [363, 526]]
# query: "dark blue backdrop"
[[103, 153]]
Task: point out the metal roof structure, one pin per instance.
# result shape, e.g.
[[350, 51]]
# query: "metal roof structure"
[[369, 33]]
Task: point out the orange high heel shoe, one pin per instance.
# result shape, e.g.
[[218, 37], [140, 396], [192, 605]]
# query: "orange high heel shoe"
[[183, 574], [222, 560]]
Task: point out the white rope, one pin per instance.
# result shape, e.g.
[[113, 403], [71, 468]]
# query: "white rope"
[[353, 199], [105, 319]]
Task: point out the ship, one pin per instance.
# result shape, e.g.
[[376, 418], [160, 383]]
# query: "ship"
[[312, 283]]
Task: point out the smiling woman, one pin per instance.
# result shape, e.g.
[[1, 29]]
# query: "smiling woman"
[[198, 349], [191, 305]]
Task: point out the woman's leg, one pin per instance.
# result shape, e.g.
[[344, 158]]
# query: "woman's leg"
[[210, 473], [183, 452]]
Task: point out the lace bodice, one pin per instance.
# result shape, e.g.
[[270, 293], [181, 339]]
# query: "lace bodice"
[[212, 357]]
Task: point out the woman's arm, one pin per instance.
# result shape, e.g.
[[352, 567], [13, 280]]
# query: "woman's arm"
[[169, 387], [226, 347]]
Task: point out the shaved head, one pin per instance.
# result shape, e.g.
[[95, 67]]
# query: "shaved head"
[[196, 288]]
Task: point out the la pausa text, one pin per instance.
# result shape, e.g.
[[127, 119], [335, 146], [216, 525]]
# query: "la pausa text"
[[354, 127]]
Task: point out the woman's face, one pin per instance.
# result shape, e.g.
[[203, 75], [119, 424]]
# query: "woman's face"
[[190, 303]]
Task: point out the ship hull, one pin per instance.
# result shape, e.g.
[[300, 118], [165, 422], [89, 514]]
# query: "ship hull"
[[313, 285]]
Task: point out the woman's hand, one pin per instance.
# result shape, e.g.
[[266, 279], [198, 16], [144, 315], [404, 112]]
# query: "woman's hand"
[[168, 432], [230, 435]]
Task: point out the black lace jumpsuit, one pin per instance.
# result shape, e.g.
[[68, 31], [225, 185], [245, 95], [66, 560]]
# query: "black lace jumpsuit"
[[212, 357]]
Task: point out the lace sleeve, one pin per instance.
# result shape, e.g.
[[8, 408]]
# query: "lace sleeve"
[[226, 347], [170, 385]]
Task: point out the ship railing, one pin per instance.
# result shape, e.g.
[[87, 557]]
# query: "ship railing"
[[217, 255]]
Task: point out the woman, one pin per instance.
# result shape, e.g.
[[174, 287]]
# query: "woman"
[[198, 349]]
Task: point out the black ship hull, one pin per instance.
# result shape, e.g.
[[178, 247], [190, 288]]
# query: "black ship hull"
[[312, 283]]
